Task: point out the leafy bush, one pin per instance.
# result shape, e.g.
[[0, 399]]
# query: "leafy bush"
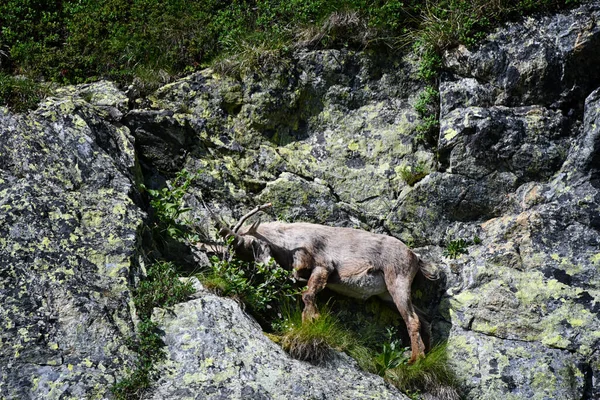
[[263, 288], [160, 288], [149, 347], [168, 206]]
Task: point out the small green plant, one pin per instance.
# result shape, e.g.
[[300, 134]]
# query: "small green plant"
[[149, 347], [427, 108], [430, 374], [414, 174], [262, 287], [160, 288], [426, 98], [455, 248], [168, 205], [392, 354]]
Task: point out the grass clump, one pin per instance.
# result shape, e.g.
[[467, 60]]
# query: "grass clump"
[[413, 174], [314, 340], [21, 93], [430, 374]]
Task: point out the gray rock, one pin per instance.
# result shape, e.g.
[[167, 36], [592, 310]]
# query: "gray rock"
[[548, 61], [68, 238], [216, 351]]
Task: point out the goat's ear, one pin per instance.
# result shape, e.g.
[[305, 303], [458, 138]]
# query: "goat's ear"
[[254, 227]]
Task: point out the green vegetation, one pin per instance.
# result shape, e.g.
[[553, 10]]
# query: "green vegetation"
[[430, 374], [150, 41], [160, 288], [313, 341], [413, 174], [455, 248], [21, 93], [263, 288], [392, 355], [168, 207], [427, 105]]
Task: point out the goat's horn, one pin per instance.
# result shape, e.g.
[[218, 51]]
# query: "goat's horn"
[[220, 224], [254, 226], [248, 215]]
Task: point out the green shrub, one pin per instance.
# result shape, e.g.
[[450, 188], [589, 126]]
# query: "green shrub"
[[168, 206], [263, 288], [160, 287]]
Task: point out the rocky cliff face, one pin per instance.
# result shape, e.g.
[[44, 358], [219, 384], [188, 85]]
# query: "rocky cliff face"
[[330, 138]]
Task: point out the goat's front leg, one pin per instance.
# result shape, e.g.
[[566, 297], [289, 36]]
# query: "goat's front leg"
[[316, 283]]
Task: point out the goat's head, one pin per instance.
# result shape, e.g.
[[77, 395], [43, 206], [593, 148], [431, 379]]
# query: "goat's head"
[[246, 242]]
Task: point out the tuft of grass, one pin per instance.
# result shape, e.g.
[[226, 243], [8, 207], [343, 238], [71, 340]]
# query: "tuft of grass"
[[413, 174], [314, 341], [430, 374], [340, 28], [160, 288], [21, 93], [248, 55]]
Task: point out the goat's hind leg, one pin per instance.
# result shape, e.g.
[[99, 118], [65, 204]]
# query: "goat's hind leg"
[[399, 289], [316, 283]]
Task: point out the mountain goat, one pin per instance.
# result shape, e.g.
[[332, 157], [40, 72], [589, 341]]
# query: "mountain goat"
[[352, 262]]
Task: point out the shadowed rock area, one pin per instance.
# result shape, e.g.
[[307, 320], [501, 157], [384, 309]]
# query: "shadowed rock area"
[[327, 137]]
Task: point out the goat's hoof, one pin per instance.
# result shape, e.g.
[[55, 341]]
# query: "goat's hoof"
[[310, 317]]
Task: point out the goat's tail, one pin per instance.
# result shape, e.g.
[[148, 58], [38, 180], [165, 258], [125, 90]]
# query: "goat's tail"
[[428, 270]]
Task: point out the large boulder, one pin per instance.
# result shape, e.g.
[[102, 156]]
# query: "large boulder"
[[216, 351], [68, 240]]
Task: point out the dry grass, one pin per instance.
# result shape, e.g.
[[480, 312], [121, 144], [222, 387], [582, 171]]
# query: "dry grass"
[[340, 27]]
